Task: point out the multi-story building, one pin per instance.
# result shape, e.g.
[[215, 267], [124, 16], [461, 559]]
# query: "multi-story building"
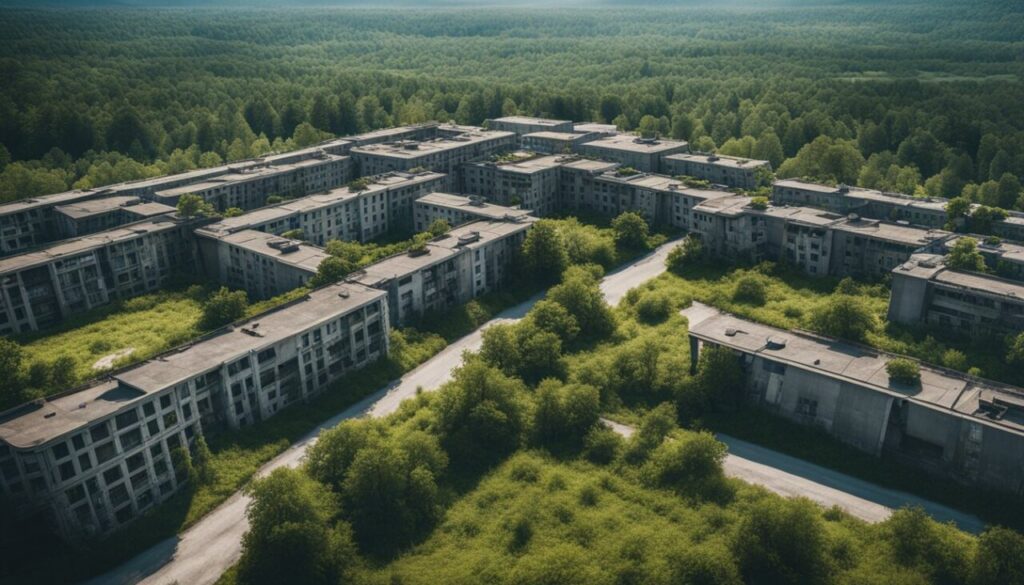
[[42, 287], [556, 142], [593, 127], [1002, 257], [362, 213], [926, 291], [468, 261], [92, 459], [459, 209], [727, 229], [522, 125], [642, 154], [949, 423], [576, 182], [97, 215], [444, 154], [519, 179], [872, 249], [261, 264], [248, 186], [731, 171], [929, 212]]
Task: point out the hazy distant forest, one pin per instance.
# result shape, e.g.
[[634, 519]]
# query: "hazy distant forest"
[[914, 97]]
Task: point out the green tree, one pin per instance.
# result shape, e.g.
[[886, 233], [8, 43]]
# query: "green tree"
[[825, 159], [939, 553], [656, 424], [62, 373], [482, 414], [654, 307], [631, 230], [293, 536], [844, 316], [543, 252], [998, 559], [439, 227], [685, 254], [958, 210], [564, 413], [191, 205], [782, 541], [331, 269], [964, 255], [551, 316], [329, 459], [903, 371], [751, 289], [581, 296], [202, 459], [223, 307], [12, 356], [719, 383], [689, 463]]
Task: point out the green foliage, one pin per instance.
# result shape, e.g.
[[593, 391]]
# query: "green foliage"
[[564, 414], [827, 159], [544, 252], [291, 537], [550, 316], [296, 234], [439, 227], [719, 384], [587, 244], [751, 289], [998, 558], [654, 307], [360, 184], [523, 350], [631, 230], [760, 203], [903, 371], [581, 296], [964, 255], [689, 252], [940, 553], [689, 463], [845, 316], [191, 205], [782, 541], [202, 460], [482, 414], [222, 307]]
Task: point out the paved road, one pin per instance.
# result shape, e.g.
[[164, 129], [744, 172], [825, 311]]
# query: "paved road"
[[202, 553], [792, 477]]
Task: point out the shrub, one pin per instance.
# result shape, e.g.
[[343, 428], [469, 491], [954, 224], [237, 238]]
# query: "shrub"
[[750, 290], [602, 445], [223, 307], [782, 541], [903, 371], [759, 203], [844, 316], [654, 307], [689, 252]]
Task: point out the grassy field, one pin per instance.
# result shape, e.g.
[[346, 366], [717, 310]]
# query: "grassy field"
[[144, 326]]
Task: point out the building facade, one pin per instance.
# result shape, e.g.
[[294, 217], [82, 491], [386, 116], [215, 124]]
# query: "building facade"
[[731, 171], [261, 264], [949, 423], [93, 459], [459, 209], [41, 288], [520, 180], [444, 154], [642, 154]]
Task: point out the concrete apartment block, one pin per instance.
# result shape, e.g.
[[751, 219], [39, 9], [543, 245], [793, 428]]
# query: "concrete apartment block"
[[261, 264], [518, 179], [950, 423], [844, 199], [444, 154], [459, 209], [41, 288], [384, 205], [450, 270], [247, 187], [731, 171], [93, 459], [522, 125], [642, 154], [926, 291], [97, 215]]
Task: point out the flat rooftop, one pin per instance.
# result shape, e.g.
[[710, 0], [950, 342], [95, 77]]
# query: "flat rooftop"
[[563, 136], [631, 143], [891, 232], [294, 253], [532, 121], [385, 133], [52, 200], [940, 389], [247, 173], [595, 127], [30, 425], [74, 246], [719, 160], [477, 206], [899, 199], [931, 267], [480, 233], [803, 215], [412, 149], [149, 209], [728, 206], [91, 207], [401, 265], [526, 163], [590, 165]]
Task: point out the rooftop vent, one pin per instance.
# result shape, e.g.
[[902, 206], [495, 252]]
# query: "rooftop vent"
[[731, 332], [251, 331], [476, 201], [776, 342], [844, 188], [410, 146], [712, 157], [343, 293], [50, 415], [469, 238], [642, 140], [284, 246], [853, 217]]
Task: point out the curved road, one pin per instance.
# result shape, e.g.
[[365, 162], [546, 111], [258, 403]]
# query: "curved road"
[[199, 555]]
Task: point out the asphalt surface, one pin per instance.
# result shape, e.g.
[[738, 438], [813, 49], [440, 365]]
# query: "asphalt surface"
[[201, 554]]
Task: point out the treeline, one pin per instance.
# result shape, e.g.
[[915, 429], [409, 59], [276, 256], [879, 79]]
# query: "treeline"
[[912, 97]]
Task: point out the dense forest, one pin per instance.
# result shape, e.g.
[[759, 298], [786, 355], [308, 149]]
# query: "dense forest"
[[915, 97]]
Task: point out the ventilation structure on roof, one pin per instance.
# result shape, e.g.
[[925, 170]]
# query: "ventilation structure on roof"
[[776, 342]]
